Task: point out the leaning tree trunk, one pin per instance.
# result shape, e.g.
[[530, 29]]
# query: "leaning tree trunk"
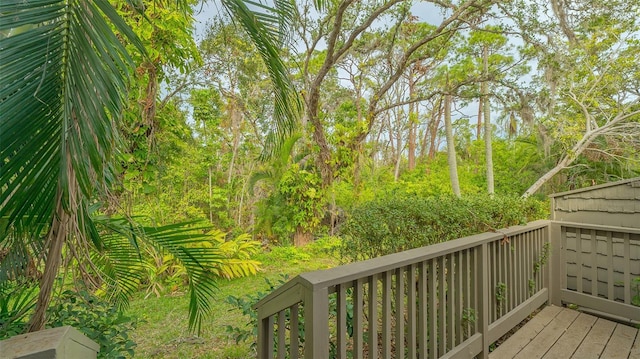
[[55, 240]]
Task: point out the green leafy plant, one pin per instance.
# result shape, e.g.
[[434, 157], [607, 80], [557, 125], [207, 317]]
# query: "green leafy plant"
[[501, 295], [98, 319], [635, 287], [399, 222], [469, 318], [249, 331], [16, 303], [537, 266]]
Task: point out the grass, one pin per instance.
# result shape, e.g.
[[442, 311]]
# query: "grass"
[[164, 332]]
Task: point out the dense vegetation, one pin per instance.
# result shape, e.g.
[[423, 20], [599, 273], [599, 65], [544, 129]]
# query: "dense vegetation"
[[401, 222], [137, 161]]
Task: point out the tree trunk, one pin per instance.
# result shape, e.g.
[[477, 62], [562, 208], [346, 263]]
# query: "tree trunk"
[[479, 124], [413, 124], [56, 236], [433, 130], [566, 160], [487, 124], [210, 195], [451, 148], [302, 237], [399, 147], [324, 155]]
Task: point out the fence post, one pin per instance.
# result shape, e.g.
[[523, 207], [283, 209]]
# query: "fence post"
[[316, 323], [483, 299], [555, 270]]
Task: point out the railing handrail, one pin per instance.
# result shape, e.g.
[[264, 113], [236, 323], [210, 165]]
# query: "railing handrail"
[[284, 296]]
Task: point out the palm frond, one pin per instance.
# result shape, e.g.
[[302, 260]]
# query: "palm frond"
[[184, 241], [266, 28], [64, 77], [188, 242]]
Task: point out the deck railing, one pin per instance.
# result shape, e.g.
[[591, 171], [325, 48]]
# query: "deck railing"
[[452, 299], [598, 269]]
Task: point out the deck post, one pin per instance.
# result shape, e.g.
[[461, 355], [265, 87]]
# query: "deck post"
[[554, 270], [265, 337], [316, 323], [483, 299]]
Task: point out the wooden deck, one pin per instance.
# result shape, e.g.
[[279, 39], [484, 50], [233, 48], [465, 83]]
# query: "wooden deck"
[[564, 333]]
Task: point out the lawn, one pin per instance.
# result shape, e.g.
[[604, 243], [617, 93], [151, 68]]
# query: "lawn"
[[164, 332]]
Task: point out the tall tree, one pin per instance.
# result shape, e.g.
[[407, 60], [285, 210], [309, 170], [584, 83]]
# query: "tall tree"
[[594, 77]]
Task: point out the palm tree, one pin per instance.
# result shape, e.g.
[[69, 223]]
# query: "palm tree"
[[64, 71]]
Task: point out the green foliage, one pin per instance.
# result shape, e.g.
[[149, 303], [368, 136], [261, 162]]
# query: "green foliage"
[[295, 202], [99, 320], [468, 320], [501, 295], [16, 303], [635, 287], [303, 196], [289, 253], [399, 222], [249, 331], [165, 273]]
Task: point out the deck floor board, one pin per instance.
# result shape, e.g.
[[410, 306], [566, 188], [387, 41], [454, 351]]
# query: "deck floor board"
[[560, 333]]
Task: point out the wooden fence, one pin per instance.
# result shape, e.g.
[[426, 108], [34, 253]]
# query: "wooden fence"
[[447, 300]]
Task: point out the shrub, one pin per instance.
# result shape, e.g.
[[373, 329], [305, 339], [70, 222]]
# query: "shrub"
[[99, 320], [393, 224]]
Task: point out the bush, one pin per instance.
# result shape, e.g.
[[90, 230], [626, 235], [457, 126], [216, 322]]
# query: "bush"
[[99, 320], [393, 224]]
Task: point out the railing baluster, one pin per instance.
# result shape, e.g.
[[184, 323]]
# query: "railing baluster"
[[281, 344], [579, 260], [483, 298], [461, 296], [386, 314], [529, 260], [494, 278], [411, 311], [295, 330], [373, 317], [423, 337], [594, 263], [451, 301], [511, 275], [442, 307], [540, 279], [504, 248], [610, 267], [341, 330], [358, 323], [399, 313], [477, 279], [432, 320], [523, 288], [627, 268]]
